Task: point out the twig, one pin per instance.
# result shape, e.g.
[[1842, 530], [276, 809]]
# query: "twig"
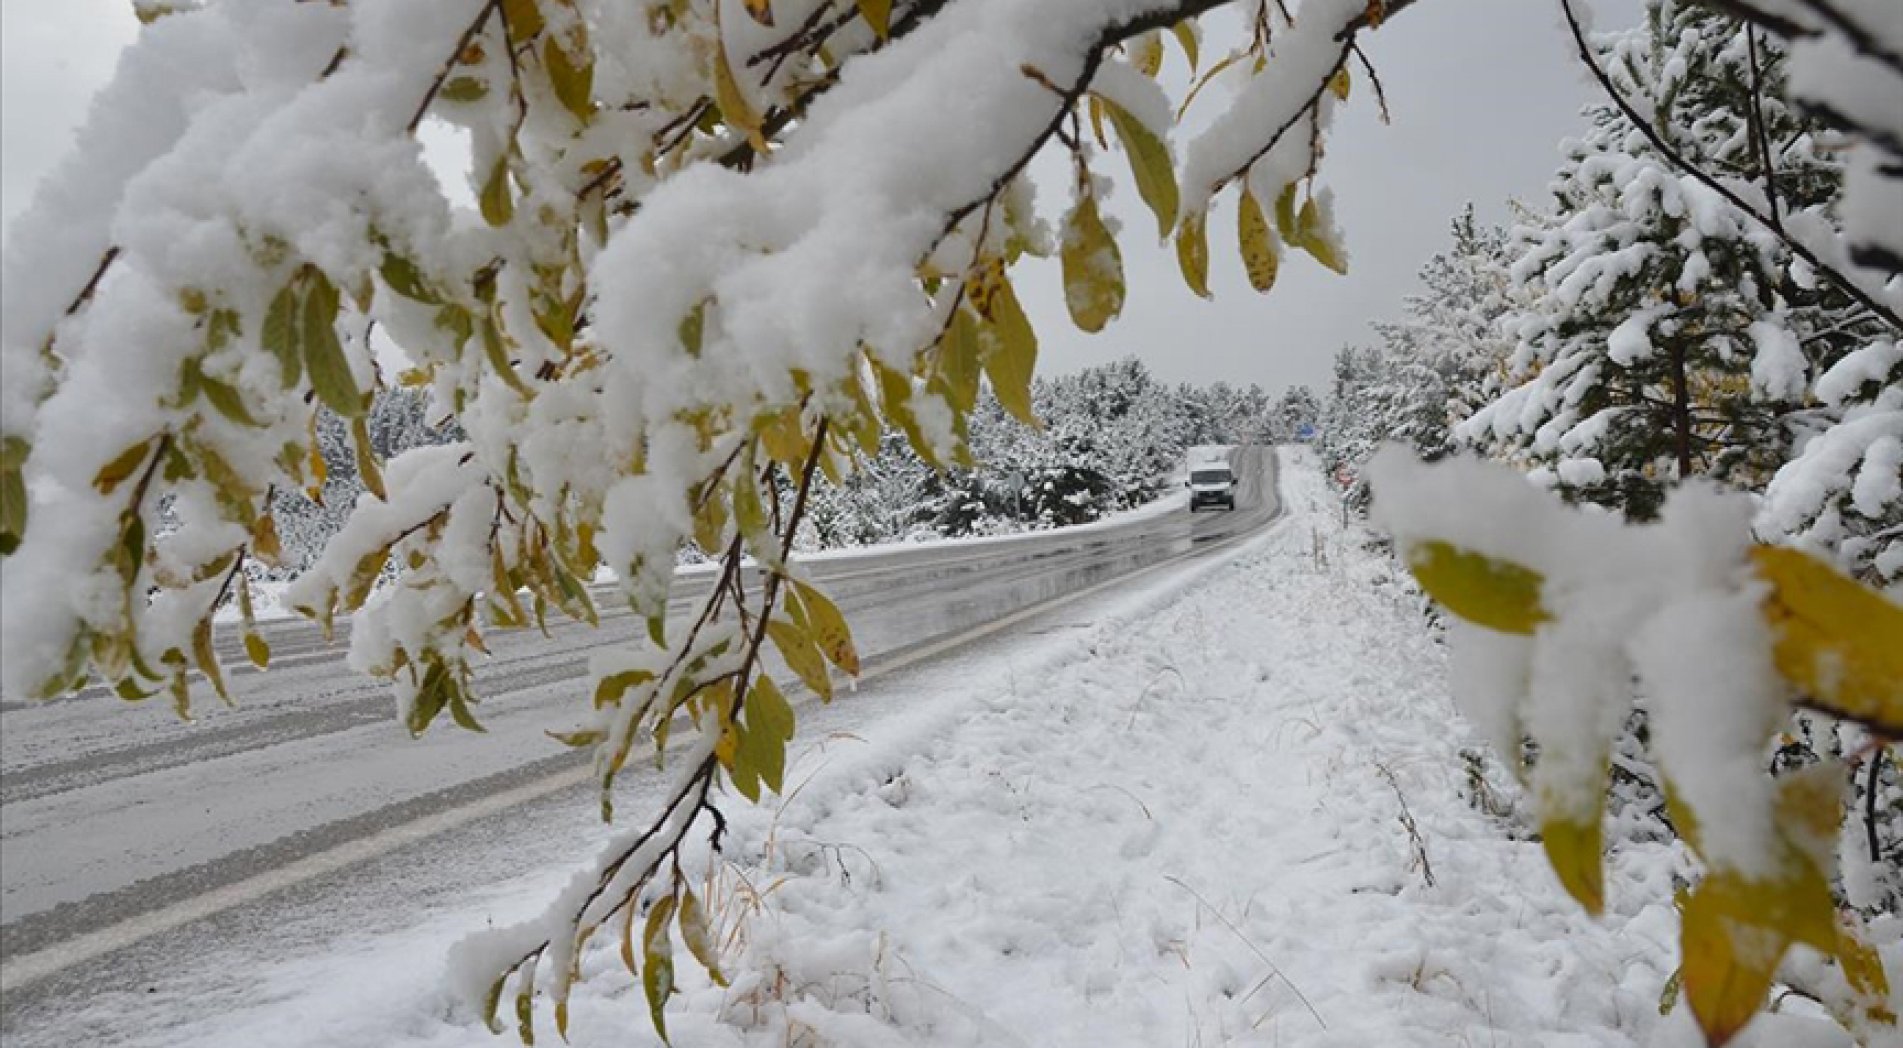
[[449, 64], [1246, 941]]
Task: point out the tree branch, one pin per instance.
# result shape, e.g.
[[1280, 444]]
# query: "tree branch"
[[1678, 160]]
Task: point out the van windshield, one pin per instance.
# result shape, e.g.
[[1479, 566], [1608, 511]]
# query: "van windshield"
[[1209, 476]]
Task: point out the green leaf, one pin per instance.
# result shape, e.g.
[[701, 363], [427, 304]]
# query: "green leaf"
[[657, 963], [224, 397], [1285, 220], [1493, 593], [459, 703], [280, 335], [324, 354], [12, 509], [430, 698], [1149, 163], [368, 471], [14, 452], [609, 691], [693, 327], [207, 658], [495, 201], [578, 739], [406, 279], [498, 357], [463, 89], [1259, 256], [1092, 267], [574, 82]]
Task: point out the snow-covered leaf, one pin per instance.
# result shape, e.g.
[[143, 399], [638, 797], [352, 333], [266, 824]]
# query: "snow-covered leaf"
[[1093, 268]]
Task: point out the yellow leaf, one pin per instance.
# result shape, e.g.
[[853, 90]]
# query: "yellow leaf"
[[802, 656], [761, 11], [734, 107], [1146, 53], [1185, 31], [895, 397], [1260, 256], [1192, 251], [368, 471], [1214, 71], [878, 15], [958, 363], [1093, 268], [1149, 163], [1313, 237], [207, 659], [697, 932], [1728, 964], [258, 650], [1493, 593], [122, 466], [1573, 848], [523, 17], [1339, 83], [827, 627], [265, 545], [574, 82], [1838, 642], [1008, 345]]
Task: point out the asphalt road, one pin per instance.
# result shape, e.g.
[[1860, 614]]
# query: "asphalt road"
[[127, 835]]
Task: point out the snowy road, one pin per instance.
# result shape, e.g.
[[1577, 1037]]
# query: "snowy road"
[[129, 837]]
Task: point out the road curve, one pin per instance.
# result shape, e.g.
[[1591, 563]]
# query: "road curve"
[[116, 820]]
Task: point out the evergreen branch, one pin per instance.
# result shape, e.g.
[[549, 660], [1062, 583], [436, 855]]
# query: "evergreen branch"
[[1678, 160]]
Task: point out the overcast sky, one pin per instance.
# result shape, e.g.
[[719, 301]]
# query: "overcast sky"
[[1481, 92]]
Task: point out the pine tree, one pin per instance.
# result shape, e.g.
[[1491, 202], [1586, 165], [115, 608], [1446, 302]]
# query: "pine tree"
[[1667, 333]]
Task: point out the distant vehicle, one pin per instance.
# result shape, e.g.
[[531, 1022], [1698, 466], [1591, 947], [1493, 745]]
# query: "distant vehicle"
[[1211, 484]]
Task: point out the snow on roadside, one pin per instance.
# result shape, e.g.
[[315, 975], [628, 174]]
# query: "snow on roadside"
[[1185, 824], [1183, 820]]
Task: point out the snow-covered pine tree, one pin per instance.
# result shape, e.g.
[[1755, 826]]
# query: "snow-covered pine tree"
[[1430, 369], [1294, 416], [1666, 333], [1447, 346]]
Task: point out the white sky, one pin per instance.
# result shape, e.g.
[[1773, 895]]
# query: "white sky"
[[1481, 92]]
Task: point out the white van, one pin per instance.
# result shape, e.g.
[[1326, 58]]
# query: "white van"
[[1211, 484]]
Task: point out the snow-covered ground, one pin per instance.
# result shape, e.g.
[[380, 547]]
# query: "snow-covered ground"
[[1228, 807]]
